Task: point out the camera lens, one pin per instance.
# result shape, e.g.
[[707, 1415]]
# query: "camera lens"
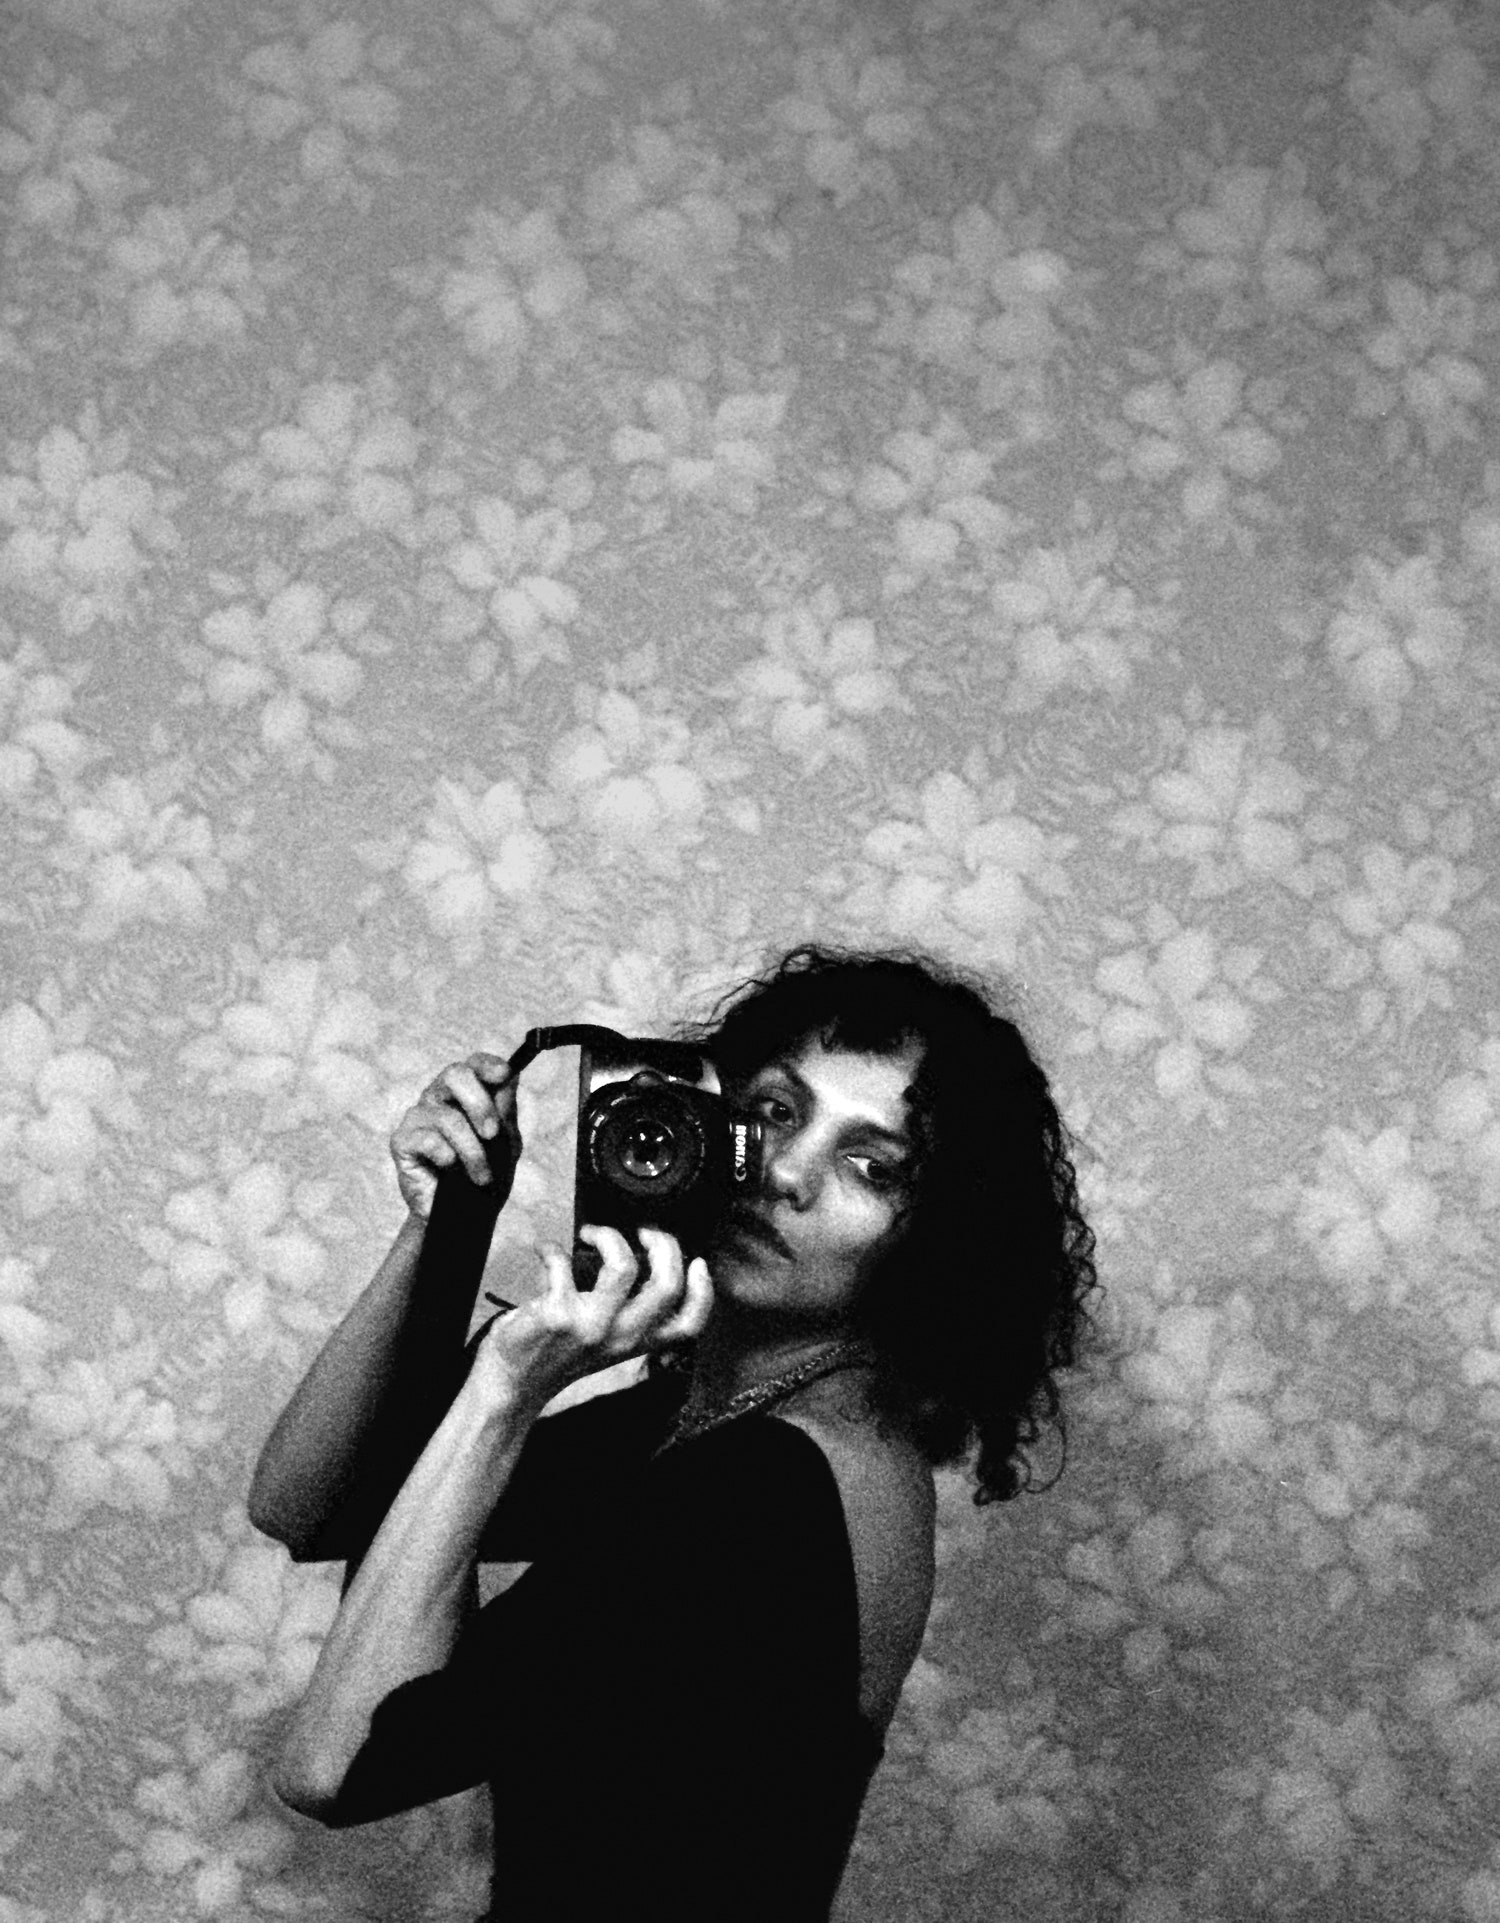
[[647, 1151], [649, 1144]]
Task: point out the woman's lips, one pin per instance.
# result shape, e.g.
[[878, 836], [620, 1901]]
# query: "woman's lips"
[[754, 1230]]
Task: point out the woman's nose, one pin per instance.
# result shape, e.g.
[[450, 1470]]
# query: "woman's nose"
[[789, 1175]]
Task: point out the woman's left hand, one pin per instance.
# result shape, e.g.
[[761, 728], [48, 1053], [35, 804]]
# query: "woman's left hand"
[[536, 1349]]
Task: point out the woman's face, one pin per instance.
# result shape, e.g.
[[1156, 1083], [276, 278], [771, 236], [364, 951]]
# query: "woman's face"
[[838, 1157]]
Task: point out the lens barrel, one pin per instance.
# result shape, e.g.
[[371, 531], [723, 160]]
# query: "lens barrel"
[[649, 1143]]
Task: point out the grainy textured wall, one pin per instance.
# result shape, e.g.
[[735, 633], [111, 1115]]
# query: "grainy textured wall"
[[507, 511]]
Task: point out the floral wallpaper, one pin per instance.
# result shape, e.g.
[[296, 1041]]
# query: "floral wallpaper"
[[511, 511]]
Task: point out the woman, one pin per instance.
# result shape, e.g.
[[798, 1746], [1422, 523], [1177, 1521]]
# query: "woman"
[[680, 1704]]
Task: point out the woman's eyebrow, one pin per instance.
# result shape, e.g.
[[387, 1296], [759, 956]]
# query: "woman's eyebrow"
[[864, 1125]]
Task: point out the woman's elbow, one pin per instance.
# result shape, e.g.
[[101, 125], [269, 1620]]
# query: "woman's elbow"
[[281, 1511], [266, 1513], [267, 1523], [312, 1792], [301, 1546], [277, 1531], [296, 1791]]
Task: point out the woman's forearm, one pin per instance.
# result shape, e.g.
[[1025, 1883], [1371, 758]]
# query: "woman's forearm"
[[403, 1612], [350, 1433]]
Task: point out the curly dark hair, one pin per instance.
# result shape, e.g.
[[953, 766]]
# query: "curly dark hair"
[[981, 1301]]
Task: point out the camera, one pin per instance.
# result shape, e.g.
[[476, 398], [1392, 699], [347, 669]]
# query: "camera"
[[658, 1145]]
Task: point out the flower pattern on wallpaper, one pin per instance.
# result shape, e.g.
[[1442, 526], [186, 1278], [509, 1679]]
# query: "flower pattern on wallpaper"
[[507, 513]]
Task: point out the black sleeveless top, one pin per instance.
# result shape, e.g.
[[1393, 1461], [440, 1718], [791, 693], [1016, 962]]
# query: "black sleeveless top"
[[666, 1703]]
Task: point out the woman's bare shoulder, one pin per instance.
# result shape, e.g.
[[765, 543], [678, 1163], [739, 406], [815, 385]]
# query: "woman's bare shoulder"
[[890, 1514], [880, 1472]]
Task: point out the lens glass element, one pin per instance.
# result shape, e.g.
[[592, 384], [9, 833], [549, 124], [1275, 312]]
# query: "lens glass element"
[[647, 1150], [645, 1141]]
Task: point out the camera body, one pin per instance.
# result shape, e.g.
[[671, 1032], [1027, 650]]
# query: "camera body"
[[658, 1144]]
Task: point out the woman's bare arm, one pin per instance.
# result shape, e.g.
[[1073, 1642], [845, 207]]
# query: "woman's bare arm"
[[362, 1414], [373, 1397], [402, 1615]]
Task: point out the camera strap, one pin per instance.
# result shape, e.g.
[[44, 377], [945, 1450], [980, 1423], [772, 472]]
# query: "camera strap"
[[573, 1035], [676, 1058]]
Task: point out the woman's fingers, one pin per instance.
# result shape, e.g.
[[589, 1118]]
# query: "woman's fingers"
[[492, 1070], [567, 1332], [664, 1254], [672, 1302], [466, 1106], [687, 1324], [618, 1269], [460, 1084], [671, 1305], [422, 1148], [444, 1137]]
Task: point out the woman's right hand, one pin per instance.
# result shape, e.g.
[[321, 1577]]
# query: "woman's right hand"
[[467, 1105]]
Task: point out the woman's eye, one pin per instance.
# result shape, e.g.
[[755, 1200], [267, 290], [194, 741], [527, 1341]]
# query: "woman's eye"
[[768, 1102], [880, 1175]]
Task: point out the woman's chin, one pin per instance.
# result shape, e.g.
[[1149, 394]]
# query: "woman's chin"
[[737, 1266]]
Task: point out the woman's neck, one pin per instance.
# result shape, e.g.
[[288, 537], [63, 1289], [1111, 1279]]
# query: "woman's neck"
[[727, 1360]]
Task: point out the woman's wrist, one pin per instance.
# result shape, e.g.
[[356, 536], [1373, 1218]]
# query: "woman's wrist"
[[496, 1399]]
